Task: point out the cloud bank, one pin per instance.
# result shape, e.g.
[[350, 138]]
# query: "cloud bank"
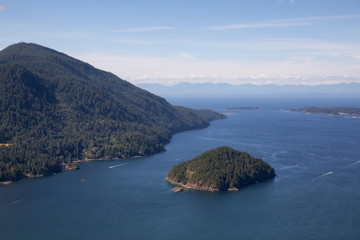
[[174, 70]]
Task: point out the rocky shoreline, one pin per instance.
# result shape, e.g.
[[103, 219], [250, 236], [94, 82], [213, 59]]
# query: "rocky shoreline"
[[5, 183]]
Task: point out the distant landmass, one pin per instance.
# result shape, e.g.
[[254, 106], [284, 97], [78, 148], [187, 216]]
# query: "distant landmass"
[[56, 110], [333, 111], [228, 90], [220, 169]]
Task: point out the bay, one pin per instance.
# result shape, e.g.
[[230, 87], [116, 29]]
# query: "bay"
[[314, 196]]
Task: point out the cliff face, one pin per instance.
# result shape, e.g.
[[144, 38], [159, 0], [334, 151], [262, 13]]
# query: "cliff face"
[[220, 169]]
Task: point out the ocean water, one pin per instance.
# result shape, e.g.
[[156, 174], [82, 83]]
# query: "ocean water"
[[316, 194]]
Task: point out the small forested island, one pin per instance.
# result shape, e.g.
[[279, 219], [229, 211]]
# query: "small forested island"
[[56, 110], [220, 169], [243, 108], [333, 111]]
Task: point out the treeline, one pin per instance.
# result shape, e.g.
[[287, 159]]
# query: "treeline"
[[222, 168], [55, 109]]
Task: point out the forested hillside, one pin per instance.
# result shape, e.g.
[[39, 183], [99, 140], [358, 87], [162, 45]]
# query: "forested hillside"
[[55, 109], [220, 169]]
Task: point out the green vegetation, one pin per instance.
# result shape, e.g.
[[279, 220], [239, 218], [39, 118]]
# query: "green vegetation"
[[330, 110], [220, 169], [55, 109]]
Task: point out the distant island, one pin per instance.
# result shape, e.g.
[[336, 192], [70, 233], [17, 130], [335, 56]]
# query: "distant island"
[[244, 108], [332, 111], [219, 169], [56, 110]]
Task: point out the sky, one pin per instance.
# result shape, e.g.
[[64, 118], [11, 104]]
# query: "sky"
[[221, 41]]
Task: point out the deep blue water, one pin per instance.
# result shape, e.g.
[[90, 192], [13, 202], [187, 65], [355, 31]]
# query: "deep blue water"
[[316, 194]]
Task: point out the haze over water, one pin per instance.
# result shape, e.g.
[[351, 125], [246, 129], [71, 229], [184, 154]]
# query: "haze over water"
[[314, 196]]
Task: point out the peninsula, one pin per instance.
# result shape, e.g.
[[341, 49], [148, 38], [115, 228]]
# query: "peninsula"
[[220, 169]]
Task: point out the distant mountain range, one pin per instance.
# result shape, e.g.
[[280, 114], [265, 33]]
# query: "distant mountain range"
[[223, 89]]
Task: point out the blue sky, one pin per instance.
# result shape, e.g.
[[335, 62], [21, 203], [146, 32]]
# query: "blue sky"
[[244, 41]]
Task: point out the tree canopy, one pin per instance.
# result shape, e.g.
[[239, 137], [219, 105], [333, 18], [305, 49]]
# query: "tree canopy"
[[220, 169], [55, 109]]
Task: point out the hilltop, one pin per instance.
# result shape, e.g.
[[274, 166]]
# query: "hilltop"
[[55, 109]]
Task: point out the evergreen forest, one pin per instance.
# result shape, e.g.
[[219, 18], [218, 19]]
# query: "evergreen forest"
[[221, 169], [55, 110]]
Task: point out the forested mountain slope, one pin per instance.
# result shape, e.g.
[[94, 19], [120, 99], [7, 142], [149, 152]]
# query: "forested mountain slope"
[[55, 109]]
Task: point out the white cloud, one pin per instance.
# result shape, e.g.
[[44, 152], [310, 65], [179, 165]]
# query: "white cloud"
[[307, 46], [144, 29], [275, 23], [137, 69], [278, 48], [261, 79]]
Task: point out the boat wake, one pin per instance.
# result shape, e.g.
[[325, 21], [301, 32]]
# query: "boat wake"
[[118, 165], [352, 164], [213, 139], [175, 160], [319, 156], [289, 167], [17, 201], [326, 174], [329, 173]]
